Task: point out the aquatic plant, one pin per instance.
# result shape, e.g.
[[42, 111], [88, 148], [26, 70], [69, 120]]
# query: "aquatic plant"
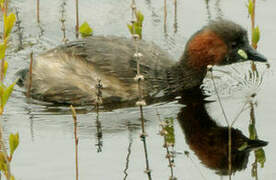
[[30, 75], [8, 25], [19, 30], [136, 30], [254, 29], [77, 19], [62, 20], [6, 159], [85, 30], [175, 17], [165, 16], [37, 12], [167, 131], [136, 24], [5, 92], [210, 69], [255, 37], [74, 115], [98, 102]]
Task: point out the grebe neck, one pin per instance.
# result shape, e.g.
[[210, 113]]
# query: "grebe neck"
[[181, 78]]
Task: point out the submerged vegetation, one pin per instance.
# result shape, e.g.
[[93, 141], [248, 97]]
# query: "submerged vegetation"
[[167, 131]]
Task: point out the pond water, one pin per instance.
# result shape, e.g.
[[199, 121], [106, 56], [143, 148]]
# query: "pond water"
[[46, 149]]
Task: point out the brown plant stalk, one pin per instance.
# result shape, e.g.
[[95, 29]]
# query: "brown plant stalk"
[[37, 12], [62, 20], [74, 115], [228, 125], [252, 109], [98, 102], [139, 78], [175, 16], [30, 75], [77, 18], [165, 16]]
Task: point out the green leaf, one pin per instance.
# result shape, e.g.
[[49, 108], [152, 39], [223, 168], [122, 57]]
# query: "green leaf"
[[169, 128], [8, 24], [3, 163], [138, 30], [252, 132], [3, 48], [137, 26], [2, 3], [139, 23], [140, 18], [2, 90], [256, 35], [14, 141], [5, 67], [250, 7], [5, 93], [130, 28], [260, 156], [85, 30]]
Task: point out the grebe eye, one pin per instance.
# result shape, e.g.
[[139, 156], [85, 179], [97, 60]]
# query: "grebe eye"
[[234, 44]]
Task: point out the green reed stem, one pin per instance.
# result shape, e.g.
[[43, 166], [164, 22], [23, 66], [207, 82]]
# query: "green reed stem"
[[253, 21]]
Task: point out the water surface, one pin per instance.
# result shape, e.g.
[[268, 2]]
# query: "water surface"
[[46, 148]]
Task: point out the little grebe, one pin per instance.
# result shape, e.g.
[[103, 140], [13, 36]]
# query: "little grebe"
[[209, 141], [69, 73]]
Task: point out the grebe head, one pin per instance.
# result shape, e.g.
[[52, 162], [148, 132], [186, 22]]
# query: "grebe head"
[[221, 42]]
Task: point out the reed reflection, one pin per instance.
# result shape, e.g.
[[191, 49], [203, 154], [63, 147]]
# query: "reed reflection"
[[209, 141]]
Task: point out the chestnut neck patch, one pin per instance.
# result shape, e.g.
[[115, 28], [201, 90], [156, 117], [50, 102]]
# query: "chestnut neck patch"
[[206, 48]]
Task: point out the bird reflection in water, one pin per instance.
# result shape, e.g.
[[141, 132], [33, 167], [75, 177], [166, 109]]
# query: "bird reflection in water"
[[209, 141]]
